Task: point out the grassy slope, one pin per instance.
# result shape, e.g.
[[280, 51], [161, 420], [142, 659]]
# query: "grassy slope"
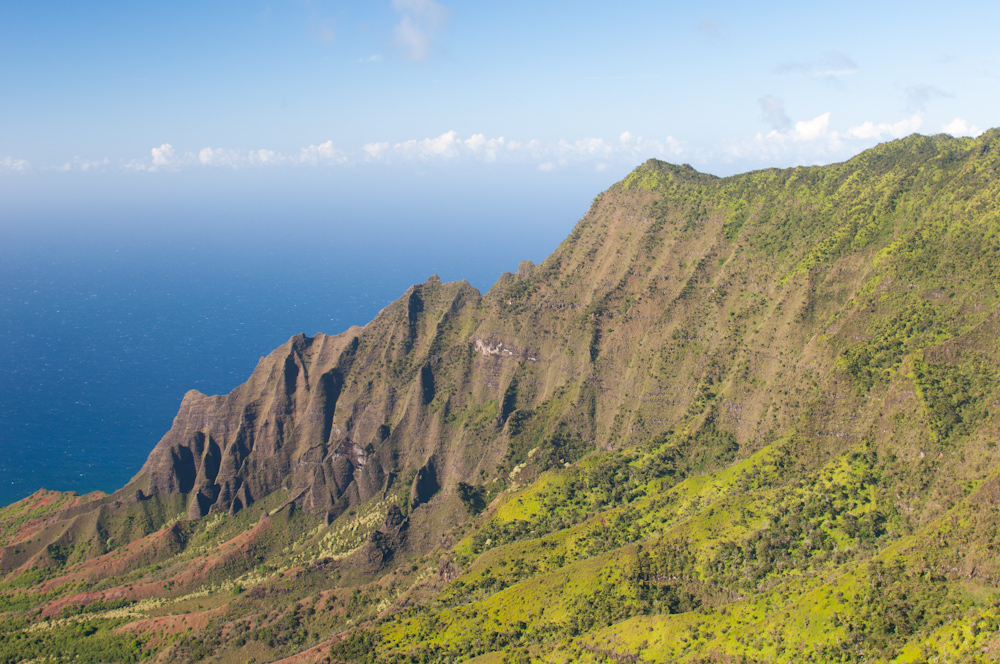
[[750, 417]]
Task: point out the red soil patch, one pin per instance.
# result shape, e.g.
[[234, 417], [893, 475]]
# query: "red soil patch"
[[328, 599], [318, 653], [54, 609], [135, 591], [29, 529], [40, 499], [118, 561], [122, 560], [46, 499], [230, 550], [163, 626]]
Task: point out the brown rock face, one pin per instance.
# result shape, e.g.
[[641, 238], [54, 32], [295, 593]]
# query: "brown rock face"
[[311, 419], [274, 431]]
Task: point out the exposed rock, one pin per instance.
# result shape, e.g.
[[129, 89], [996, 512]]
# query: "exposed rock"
[[309, 420], [424, 486], [384, 542]]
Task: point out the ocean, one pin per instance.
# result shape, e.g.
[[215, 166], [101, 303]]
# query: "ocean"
[[103, 328]]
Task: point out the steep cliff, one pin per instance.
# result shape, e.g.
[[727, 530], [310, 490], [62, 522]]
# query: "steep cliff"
[[332, 420]]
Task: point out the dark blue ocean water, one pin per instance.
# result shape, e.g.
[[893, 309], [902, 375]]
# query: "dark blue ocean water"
[[104, 327]]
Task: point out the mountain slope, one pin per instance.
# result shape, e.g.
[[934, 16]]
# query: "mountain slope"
[[750, 417]]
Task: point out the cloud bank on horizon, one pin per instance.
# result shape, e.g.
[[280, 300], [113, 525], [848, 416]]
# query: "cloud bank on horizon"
[[420, 83], [804, 142]]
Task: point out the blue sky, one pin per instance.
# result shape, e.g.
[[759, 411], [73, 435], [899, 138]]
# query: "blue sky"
[[496, 90]]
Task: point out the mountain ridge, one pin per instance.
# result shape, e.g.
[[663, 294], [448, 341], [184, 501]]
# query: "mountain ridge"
[[712, 389]]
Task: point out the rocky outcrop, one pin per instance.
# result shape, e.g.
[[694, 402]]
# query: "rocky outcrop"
[[274, 431], [382, 544], [311, 419]]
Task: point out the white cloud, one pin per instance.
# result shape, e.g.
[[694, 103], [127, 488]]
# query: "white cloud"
[[10, 164], [163, 155], [672, 147], [264, 157], [324, 152], [412, 39], [79, 164], [584, 147], [805, 141], [884, 130], [241, 159], [959, 127], [445, 145], [420, 21], [808, 130], [589, 152], [532, 148], [596, 152], [803, 131], [808, 141], [88, 164], [375, 150], [487, 147], [167, 156], [219, 157], [638, 147], [475, 142]]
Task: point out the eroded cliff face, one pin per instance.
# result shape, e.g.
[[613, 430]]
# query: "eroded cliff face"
[[314, 419], [274, 431]]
